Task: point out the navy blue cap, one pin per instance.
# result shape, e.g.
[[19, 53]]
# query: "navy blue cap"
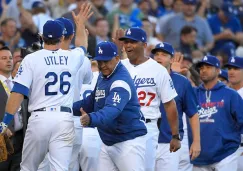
[[224, 74], [68, 24], [38, 4], [166, 47], [210, 60], [53, 29], [235, 61], [192, 2], [105, 51], [228, 8], [135, 33]]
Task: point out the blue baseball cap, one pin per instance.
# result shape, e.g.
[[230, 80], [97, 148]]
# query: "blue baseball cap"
[[191, 2], [236, 62], [228, 9], [105, 51], [68, 24], [224, 74], [164, 46], [135, 33], [210, 60], [38, 4], [53, 29]]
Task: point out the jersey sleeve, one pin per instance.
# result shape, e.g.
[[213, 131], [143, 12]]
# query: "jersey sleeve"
[[78, 55], [119, 96], [190, 102], [88, 72], [236, 108], [24, 75], [165, 86]]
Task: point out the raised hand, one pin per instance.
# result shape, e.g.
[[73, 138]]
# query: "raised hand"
[[84, 14], [176, 63]]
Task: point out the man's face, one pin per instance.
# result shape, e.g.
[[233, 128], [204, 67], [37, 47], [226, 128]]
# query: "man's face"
[[189, 39], [6, 61], [189, 10], [126, 2], [10, 28], [235, 75], [102, 28], [107, 67], [134, 48], [16, 56], [162, 58], [208, 73]]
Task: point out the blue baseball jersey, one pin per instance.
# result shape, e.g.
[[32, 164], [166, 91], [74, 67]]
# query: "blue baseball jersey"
[[113, 108], [186, 102], [221, 118], [217, 27]]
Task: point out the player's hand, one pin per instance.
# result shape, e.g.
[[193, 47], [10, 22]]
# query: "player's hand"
[[4, 5], [195, 149], [3, 127], [84, 14], [84, 119], [119, 33], [175, 145], [176, 63]]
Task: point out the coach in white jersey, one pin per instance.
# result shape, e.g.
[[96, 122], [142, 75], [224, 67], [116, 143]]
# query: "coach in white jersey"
[[47, 77], [153, 85], [235, 75]]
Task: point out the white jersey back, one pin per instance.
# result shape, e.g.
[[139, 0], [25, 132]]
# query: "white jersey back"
[[84, 76], [49, 76], [88, 88], [153, 84]]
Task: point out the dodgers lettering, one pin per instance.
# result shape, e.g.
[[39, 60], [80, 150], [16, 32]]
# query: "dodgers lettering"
[[56, 60], [143, 82]]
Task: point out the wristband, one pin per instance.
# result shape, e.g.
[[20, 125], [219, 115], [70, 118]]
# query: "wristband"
[[7, 118], [176, 136]]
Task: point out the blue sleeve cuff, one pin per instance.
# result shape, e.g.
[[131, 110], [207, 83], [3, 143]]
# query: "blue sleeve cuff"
[[21, 89], [84, 49], [92, 120], [7, 118]]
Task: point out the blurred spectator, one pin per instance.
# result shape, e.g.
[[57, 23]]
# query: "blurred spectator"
[[146, 6], [102, 31], [10, 35], [152, 41], [177, 8], [207, 8], [40, 15], [128, 15], [188, 45], [172, 27], [100, 6], [15, 68], [225, 27], [227, 51], [2, 44], [164, 7], [17, 56]]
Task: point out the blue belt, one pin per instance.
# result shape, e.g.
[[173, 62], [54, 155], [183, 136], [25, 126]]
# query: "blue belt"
[[62, 109]]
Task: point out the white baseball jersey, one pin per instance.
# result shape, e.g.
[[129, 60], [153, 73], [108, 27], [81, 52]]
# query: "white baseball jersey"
[[84, 76], [49, 76], [153, 85], [240, 91], [88, 88]]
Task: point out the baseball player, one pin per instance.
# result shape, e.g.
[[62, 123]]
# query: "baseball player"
[[114, 109], [84, 74], [235, 75], [47, 78], [221, 118], [186, 101], [153, 85], [91, 145], [223, 76]]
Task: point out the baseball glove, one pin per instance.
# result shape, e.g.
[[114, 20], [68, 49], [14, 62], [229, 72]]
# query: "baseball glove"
[[6, 147]]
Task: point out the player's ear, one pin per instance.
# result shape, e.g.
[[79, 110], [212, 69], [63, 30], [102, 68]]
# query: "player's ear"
[[145, 45], [71, 37]]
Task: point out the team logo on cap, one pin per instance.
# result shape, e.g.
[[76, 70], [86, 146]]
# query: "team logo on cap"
[[232, 60], [161, 45], [129, 32], [49, 35], [100, 51], [205, 58]]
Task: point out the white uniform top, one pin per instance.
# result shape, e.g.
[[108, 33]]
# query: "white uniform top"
[[153, 84], [84, 76], [240, 91], [49, 76], [88, 88]]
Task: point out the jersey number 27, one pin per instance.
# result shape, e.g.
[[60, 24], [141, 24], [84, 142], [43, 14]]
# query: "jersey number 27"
[[55, 81]]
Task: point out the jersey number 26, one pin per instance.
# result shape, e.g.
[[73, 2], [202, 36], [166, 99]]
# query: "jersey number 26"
[[55, 81]]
